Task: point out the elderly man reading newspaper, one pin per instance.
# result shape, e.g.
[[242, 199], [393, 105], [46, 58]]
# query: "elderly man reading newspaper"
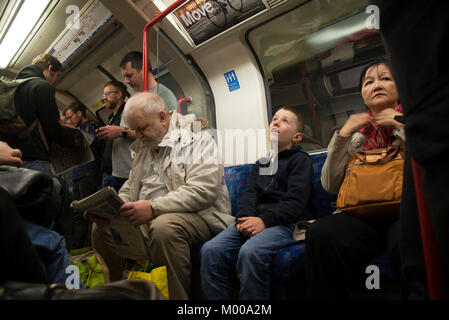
[[175, 195]]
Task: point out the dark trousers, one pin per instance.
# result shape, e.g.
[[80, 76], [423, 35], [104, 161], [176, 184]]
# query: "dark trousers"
[[412, 260], [19, 259], [435, 180], [425, 102], [338, 249], [82, 228]]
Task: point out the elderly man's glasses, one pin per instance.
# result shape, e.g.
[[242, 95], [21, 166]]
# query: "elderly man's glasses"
[[108, 93]]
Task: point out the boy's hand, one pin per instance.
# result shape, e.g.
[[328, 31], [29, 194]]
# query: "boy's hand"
[[250, 226]]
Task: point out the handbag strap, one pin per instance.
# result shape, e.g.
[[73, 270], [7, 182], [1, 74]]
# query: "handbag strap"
[[378, 156]]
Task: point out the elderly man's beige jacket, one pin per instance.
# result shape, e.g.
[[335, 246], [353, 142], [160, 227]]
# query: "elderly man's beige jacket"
[[192, 173]]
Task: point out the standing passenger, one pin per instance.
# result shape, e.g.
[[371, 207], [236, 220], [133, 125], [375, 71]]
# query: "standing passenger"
[[85, 178], [36, 100], [426, 113], [268, 209], [117, 160], [131, 66]]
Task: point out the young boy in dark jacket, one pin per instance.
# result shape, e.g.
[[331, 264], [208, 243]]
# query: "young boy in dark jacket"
[[273, 201]]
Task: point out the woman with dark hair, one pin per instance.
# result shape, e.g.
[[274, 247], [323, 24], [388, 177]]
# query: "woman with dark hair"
[[339, 247]]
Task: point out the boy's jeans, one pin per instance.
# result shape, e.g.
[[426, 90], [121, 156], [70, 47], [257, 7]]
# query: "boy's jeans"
[[252, 259]]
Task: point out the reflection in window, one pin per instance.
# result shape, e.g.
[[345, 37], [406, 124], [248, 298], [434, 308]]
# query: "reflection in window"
[[312, 57]]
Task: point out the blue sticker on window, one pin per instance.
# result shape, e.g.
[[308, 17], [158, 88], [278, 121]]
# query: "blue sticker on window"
[[232, 81]]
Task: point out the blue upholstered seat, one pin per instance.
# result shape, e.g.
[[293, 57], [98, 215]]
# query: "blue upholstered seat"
[[236, 178], [288, 260], [285, 262]]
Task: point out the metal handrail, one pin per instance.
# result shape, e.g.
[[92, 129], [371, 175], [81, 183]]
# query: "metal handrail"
[[146, 30], [181, 101]]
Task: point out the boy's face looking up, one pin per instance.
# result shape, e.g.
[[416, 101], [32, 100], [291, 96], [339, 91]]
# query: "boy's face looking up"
[[284, 128]]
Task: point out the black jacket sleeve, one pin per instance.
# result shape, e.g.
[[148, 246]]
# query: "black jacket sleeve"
[[294, 204], [48, 115]]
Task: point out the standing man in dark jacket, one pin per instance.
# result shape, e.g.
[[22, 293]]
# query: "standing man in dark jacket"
[[272, 202], [86, 178], [117, 159], [36, 100]]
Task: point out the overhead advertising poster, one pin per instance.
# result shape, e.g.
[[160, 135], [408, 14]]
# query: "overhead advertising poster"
[[90, 22], [204, 19]]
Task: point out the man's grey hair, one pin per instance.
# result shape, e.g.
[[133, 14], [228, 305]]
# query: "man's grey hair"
[[148, 103]]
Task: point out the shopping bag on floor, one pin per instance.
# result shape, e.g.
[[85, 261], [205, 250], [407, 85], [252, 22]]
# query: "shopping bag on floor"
[[157, 275], [93, 269]]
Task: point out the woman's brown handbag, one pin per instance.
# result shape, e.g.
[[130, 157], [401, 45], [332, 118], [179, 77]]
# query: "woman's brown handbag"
[[372, 186]]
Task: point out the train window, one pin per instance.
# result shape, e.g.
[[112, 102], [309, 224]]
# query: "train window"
[[192, 83], [312, 57], [178, 71]]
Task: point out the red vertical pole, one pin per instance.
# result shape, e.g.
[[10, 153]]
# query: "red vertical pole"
[[153, 21], [180, 101], [435, 270]]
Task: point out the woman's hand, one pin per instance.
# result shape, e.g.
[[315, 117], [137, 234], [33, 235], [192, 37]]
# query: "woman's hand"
[[354, 123], [385, 119]]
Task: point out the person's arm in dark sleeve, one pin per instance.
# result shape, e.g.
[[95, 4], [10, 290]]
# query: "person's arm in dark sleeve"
[[248, 202], [48, 115], [293, 205]]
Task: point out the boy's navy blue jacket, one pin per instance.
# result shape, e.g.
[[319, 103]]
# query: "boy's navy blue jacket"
[[284, 197]]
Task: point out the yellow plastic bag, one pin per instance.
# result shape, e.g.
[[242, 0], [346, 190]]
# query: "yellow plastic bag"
[[157, 275]]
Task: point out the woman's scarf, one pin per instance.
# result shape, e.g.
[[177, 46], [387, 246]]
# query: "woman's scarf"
[[377, 137]]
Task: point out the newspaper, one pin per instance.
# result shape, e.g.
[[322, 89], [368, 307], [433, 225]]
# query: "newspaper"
[[104, 203], [127, 239], [63, 159]]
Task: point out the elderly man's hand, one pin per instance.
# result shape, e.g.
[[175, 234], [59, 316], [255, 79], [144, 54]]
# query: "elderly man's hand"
[[138, 212], [101, 221], [9, 155]]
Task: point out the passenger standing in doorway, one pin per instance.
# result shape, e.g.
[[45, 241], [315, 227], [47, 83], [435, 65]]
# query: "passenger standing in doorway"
[[86, 180], [131, 67], [36, 100], [116, 161]]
